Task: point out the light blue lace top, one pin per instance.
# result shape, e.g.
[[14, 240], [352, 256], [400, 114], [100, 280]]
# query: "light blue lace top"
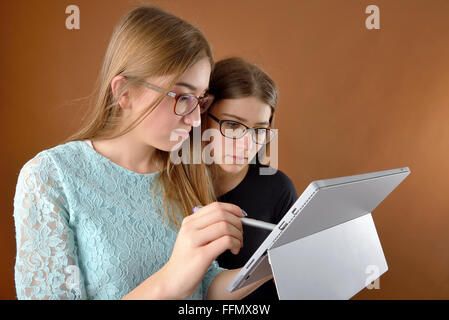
[[87, 228]]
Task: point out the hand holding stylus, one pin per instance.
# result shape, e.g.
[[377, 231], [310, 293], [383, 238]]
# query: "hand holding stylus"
[[203, 236], [250, 221]]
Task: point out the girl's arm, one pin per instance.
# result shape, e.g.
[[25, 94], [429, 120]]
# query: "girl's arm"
[[46, 264], [217, 289], [156, 287], [202, 237]]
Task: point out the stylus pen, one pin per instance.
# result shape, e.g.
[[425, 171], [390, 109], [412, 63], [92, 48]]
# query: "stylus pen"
[[250, 221]]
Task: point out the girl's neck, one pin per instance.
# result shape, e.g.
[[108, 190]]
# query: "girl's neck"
[[226, 181], [128, 153]]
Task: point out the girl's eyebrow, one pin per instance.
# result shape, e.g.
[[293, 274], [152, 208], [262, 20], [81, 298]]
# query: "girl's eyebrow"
[[188, 86], [244, 120]]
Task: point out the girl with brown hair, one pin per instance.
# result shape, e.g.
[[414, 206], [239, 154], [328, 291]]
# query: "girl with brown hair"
[[106, 215], [243, 113]]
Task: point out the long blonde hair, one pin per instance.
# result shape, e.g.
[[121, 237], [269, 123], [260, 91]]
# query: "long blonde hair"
[[150, 42]]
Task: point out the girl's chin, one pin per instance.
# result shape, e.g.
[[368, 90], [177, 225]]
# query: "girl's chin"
[[232, 168], [172, 146]]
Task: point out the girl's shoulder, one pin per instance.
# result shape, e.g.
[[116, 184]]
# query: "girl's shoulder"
[[265, 179], [68, 154], [67, 149], [267, 174]]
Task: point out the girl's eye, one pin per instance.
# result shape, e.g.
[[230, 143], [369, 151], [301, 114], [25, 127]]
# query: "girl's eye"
[[185, 98], [232, 125]]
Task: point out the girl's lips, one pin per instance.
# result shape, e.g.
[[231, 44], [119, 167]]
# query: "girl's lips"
[[239, 159], [181, 132]]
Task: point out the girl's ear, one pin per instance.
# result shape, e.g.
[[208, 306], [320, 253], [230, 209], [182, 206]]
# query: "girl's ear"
[[117, 84]]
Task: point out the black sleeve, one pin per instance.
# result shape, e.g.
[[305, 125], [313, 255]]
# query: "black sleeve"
[[287, 198]]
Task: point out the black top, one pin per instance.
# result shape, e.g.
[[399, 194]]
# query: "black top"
[[266, 198]]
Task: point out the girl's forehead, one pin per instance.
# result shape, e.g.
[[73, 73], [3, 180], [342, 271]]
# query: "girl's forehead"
[[197, 76], [248, 109]]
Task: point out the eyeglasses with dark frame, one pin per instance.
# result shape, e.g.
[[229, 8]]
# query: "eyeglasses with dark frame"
[[236, 130], [185, 103]]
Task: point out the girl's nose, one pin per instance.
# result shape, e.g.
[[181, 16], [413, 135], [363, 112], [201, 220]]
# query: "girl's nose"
[[194, 118], [246, 142]]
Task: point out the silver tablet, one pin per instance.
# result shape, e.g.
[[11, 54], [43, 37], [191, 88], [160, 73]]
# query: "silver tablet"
[[324, 204]]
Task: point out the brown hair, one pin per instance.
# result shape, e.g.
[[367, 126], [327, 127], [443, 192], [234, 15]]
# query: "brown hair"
[[234, 78], [150, 42]]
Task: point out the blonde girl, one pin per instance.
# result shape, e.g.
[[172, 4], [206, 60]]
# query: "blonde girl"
[[106, 215]]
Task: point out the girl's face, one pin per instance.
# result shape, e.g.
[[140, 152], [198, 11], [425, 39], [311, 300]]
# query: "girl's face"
[[237, 153], [162, 128]]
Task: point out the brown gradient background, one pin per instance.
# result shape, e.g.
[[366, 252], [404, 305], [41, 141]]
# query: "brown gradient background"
[[352, 101]]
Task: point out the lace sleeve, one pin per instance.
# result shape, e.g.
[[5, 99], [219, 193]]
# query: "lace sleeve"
[[212, 272], [46, 265]]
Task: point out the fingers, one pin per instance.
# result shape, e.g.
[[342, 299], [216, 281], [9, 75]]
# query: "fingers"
[[220, 206], [217, 247], [214, 228], [216, 231], [216, 217], [215, 212]]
